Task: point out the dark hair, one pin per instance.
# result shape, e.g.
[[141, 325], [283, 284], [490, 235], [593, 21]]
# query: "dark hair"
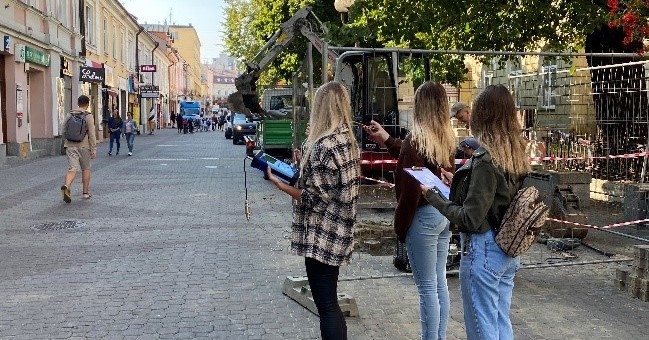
[[83, 101]]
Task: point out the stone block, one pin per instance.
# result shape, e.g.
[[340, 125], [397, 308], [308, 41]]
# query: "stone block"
[[620, 285], [641, 251], [297, 288], [621, 274], [546, 181], [641, 263], [639, 273], [636, 201]]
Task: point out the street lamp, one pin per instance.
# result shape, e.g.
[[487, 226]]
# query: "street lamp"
[[342, 6]]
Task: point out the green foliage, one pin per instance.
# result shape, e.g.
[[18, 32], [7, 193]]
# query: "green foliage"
[[475, 25]]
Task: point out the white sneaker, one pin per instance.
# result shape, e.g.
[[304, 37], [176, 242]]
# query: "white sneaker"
[[130, 154]]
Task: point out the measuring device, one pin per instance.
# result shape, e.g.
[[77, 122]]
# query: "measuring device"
[[282, 170]]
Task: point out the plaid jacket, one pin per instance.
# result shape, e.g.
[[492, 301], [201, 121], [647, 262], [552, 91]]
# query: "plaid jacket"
[[323, 219]]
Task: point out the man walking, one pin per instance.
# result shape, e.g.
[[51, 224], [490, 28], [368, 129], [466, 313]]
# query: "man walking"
[[80, 144], [151, 120]]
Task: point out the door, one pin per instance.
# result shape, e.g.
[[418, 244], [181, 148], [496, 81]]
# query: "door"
[[3, 100]]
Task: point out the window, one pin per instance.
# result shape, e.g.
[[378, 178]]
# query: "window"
[[62, 14], [90, 25], [487, 78], [122, 46], [516, 84], [105, 25], [131, 53], [114, 42], [548, 99]]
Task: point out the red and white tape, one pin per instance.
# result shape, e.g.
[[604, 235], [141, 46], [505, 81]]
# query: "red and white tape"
[[378, 181], [614, 225], [550, 158]]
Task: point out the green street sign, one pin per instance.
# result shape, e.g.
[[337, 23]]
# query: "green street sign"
[[37, 57]]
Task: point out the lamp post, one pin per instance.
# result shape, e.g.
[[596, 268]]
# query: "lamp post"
[[342, 6]]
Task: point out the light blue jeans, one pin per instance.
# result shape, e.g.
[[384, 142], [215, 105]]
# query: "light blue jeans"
[[130, 137], [486, 284], [427, 243]]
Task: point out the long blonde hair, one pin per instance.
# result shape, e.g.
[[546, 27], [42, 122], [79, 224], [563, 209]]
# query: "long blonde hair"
[[495, 125], [331, 108], [432, 135]]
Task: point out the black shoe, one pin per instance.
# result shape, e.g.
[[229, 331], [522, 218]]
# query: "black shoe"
[[117, 153], [110, 154], [65, 192]]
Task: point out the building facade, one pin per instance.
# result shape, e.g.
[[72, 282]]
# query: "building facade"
[[39, 74]]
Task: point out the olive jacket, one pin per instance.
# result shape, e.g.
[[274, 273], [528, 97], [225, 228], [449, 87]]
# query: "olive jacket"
[[480, 193]]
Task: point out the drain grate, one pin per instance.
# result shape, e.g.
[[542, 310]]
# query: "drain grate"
[[58, 225]]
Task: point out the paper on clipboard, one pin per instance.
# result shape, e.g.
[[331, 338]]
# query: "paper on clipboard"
[[427, 178]]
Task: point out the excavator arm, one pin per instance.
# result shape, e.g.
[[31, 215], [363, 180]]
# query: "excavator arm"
[[246, 99]]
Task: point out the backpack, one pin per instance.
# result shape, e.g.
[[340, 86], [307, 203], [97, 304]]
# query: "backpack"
[[522, 221], [76, 127]]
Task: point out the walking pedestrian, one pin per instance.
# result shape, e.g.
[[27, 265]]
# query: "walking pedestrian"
[[79, 151], [430, 144], [130, 130], [179, 123], [173, 120], [151, 120], [115, 130], [481, 192], [325, 202]]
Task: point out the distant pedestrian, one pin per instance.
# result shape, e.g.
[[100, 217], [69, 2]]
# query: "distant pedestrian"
[[80, 149], [462, 113], [173, 120], [115, 130], [179, 123], [326, 196], [130, 129], [151, 120]]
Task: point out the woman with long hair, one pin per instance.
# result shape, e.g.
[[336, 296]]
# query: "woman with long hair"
[[430, 144], [325, 202], [481, 192]]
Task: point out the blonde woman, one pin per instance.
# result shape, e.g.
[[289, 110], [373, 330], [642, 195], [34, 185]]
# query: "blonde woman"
[[425, 230], [481, 191], [326, 197]]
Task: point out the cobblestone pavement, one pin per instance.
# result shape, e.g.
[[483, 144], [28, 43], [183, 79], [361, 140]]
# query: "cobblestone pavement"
[[162, 250]]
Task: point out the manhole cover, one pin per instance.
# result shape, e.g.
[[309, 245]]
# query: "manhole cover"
[[58, 225]]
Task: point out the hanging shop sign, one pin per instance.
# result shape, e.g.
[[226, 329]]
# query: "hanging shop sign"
[[91, 74], [65, 67], [7, 44], [149, 91], [148, 68]]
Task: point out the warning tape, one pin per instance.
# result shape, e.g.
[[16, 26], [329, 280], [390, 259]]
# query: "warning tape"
[[391, 185], [551, 158], [585, 225]]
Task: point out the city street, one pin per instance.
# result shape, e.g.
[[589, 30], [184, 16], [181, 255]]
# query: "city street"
[[163, 250]]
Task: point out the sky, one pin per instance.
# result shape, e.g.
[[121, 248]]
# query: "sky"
[[205, 15]]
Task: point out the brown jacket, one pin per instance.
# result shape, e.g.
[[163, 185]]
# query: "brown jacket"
[[90, 141], [408, 191]]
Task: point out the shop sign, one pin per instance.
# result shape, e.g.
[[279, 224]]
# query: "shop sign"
[[148, 68], [37, 57], [6, 44], [65, 67], [149, 91], [19, 53], [91, 74]]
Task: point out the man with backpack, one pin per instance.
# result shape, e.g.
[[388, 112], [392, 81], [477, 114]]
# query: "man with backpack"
[[80, 144]]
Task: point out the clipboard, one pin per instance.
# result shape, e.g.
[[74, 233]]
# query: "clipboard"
[[429, 179]]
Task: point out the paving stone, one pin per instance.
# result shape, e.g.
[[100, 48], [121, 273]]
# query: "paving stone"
[[166, 252]]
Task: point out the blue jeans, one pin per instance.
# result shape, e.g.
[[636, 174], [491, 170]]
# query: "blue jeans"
[[323, 281], [486, 283], [427, 242], [114, 137], [130, 137]]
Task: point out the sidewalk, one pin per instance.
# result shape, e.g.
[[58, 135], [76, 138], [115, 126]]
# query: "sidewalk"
[[163, 250]]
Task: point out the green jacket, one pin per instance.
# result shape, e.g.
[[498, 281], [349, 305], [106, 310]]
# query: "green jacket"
[[480, 192]]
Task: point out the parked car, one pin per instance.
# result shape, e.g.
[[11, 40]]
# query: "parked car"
[[238, 126]]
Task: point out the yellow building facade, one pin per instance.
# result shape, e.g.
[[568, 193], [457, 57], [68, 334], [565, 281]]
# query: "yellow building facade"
[[185, 40]]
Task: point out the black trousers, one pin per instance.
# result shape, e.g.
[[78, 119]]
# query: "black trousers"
[[323, 280]]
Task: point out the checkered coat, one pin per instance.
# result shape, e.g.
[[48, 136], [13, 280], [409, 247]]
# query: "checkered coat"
[[325, 215]]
